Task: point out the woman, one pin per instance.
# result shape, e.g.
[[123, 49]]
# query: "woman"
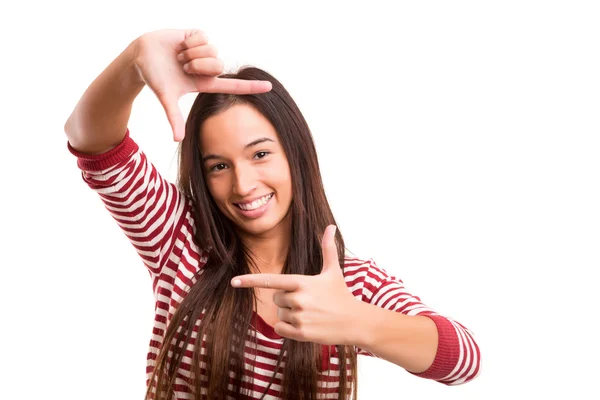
[[255, 294]]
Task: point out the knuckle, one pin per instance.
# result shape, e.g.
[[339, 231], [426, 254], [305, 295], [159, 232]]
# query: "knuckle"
[[192, 65], [297, 321], [184, 55], [202, 36], [301, 285], [218, 66], [194, 37], [300, 302], [297, 304], [211, 50]]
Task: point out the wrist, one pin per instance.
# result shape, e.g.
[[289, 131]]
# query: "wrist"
[[365, 332], [132, 54]]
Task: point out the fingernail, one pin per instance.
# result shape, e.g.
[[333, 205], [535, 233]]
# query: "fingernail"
[[180, 56], [236, 283]]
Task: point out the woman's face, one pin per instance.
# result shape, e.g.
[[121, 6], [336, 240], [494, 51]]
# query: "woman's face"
[[246, 169]]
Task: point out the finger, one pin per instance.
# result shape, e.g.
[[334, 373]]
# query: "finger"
[[289, 331], [193, 38], [283, 299], [205, 51], [174, 115], [204, 66], [286, 315], [330, 253], [238, 86], [268, 281]]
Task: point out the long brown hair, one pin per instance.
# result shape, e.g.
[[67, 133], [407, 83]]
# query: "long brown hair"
[[225, 312]]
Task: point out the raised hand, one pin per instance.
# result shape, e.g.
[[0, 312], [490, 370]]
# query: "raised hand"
[[177, 62], [318, 308]]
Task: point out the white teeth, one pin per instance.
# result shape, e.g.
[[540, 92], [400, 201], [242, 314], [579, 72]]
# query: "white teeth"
[[256, 203]]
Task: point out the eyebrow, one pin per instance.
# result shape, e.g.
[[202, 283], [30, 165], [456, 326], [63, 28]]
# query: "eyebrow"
[[251, 144]]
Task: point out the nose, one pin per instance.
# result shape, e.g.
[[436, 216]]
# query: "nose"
[[245, 181]]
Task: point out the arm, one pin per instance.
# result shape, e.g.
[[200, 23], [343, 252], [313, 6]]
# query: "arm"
[[399, 328], [408, 341], [365, 307], [150, 210], [147, 208], [99, 121]]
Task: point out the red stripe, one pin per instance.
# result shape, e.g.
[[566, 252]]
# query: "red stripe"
[[158, 199]]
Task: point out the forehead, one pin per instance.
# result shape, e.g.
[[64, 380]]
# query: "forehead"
[[234, 128]]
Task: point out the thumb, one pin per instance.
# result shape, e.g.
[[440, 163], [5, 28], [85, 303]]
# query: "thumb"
[[330, 254], [174, 115]]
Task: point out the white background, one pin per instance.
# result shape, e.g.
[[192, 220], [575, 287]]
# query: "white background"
[[459, 145]]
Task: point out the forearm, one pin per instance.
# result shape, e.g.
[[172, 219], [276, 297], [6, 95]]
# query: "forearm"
[[99, 121], [410, 342]]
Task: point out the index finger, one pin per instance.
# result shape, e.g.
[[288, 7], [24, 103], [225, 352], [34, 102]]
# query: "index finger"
[[289, 283], [238, 86]]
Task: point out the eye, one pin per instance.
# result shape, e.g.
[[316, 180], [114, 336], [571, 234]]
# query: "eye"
[[217, 167], [261, 154]]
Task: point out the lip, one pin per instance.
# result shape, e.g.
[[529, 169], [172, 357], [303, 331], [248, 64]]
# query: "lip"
[[253, 199], [257, 213]]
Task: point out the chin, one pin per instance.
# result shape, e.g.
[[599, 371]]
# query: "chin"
[[258, 227]]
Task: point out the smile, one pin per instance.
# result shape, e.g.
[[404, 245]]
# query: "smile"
[[256, 203]]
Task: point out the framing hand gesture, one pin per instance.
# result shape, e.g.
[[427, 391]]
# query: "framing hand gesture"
[[176, 62], [317, 308]]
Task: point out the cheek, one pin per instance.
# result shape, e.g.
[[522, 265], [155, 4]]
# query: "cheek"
[[284, 180], [217, 189]]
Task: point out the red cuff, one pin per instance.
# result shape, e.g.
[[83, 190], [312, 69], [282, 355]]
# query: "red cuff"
[[447, 353], [98, 162]]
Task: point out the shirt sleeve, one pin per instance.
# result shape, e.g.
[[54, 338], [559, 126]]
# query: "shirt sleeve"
[[152, 213], [457, 359]]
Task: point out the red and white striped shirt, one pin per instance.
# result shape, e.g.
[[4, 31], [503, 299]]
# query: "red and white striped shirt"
[[157, 219]]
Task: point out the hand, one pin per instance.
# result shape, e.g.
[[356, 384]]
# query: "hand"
[[317, 308], [170, 77]]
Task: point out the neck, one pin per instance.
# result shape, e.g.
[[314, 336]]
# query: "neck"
[[269, 250]]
